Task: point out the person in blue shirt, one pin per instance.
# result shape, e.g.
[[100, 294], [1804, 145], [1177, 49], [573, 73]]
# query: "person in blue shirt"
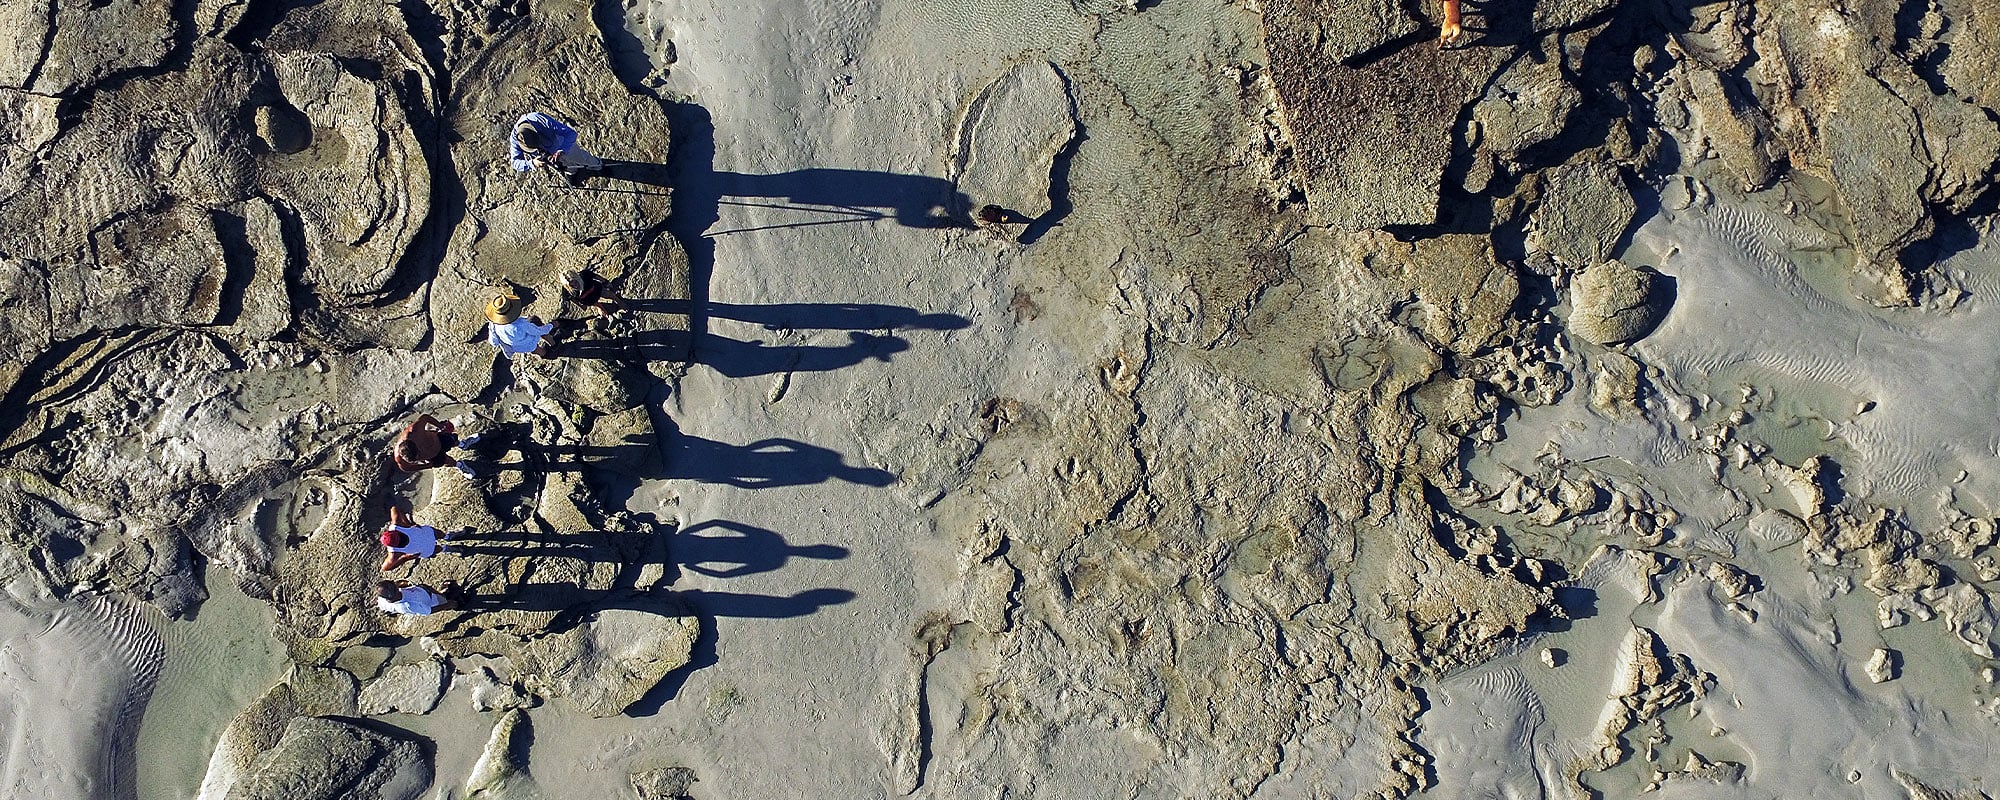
[[541, 139], [513, 333]]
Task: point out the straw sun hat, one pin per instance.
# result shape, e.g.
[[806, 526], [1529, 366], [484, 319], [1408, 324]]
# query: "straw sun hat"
[[505, 307]]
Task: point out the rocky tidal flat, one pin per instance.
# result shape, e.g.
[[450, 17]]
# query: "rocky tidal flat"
[[1031, 398]]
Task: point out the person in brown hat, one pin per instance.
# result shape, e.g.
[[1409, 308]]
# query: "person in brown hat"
[[511, 332]]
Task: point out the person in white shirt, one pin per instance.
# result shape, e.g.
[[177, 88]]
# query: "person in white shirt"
[[407, 541], [513, 333], [403, 597]]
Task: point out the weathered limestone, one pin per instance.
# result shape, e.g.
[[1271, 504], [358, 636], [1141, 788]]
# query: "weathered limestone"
[[1466, 295], [614, 656], [1613, 302], [1339, 114], [325, 759], [1584, 212], [412, 688], [1010, 136], [1525, 106]]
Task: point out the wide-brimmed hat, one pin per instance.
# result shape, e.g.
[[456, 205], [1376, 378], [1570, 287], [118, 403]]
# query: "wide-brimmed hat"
[[529, 138], [503, 308]]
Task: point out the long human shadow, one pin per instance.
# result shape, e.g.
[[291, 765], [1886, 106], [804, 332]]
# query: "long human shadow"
[[570, 598], [707, 606], [821, 196], [764, 606], [804, 316], [716, 548], [735, 358], [636, 457], [834, 195], [763, 464], [739, 549], [602, 546]]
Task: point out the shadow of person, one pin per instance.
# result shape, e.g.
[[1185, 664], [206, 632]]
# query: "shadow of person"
[[621, 547], [637, 456], [809, 316], [537, 597], [739, 549], [763, 606], [733, 357], [827, 196], [577, 601], [763, 464], [915, 201]]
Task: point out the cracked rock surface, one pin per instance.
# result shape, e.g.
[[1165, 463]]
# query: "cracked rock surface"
[[1574, 410]]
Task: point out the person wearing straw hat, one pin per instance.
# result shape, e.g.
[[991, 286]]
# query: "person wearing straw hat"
[[511, 332], [542, 139]]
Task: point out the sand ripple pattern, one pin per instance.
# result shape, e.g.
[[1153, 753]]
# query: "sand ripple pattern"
[[74, 683], [1743, 303]]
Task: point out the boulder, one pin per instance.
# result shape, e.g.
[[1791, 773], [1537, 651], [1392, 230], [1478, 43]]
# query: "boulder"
[[1883, 665], [667, 783], [1526, 106], [1009, 137], [489, 692], [501, 773], [327, 759], [1614, 302], [281, 128], [1736, 130], [1584, 212], [614, 656], [413, 688], [324, 691]]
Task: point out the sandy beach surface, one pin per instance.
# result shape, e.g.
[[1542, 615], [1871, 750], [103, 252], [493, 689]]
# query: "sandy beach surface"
[[1602, 404]]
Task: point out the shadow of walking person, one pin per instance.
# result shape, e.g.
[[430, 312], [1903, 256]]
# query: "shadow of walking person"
[[813, 316], [849, 195], [764, 606], [763, 464], [733, 357], [739, 549], [568, 597], [623, 547], [822, 196]]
